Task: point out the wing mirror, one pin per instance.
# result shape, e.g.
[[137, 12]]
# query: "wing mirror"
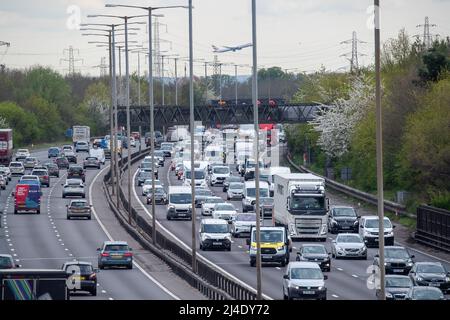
[[286, 277], [325, 277], [377, 255], [247, 241], [96, 270], [413, 256]]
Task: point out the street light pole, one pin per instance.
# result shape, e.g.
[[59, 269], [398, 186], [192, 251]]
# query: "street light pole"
[[162, 80], [191, 109], [236, 84], [379, 149], [220, 81], [139, 81], [206, 82], [255, 119], [176, 81]]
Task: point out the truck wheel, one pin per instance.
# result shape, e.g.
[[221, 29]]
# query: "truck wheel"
[[283, 263], [38, 211], [15, 211], [94, 292]]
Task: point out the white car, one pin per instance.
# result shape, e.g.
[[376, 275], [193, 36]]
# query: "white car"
[[225, 211], [16, 168], [348, 245], [21, 154], [242, 223], [368, 230], [304, 280], [218, 175], [132, 142], [208, 205], [214, 233], [235, 190], [5, 171], [147, 186]]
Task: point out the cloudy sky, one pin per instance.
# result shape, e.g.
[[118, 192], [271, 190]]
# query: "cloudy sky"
[[301, 34]]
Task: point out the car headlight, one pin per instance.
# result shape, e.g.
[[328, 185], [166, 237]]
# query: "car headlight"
[[333, 221], [205, 236], [387, 263], [171, 207], [388, 295], [410, 264], [280, 248], [447, 279], [321, 288], [253, 247], [419, 279]]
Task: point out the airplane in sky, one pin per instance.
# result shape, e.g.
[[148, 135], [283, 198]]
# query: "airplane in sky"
[[234, 49]]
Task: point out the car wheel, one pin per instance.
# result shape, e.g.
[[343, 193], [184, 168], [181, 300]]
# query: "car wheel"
[[130, 266], [228, 198], [68, 217], [229, 248], [63, 196], [101, 267], [244, 209], [283, 263], [89, 218], [169, 218], [15, 211], [333, 256], [201, 247], [252, 263], [285, 297], [38, 211], [83, 196]]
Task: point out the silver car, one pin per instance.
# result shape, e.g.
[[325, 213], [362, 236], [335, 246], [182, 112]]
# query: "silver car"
[[242, 223], [79, 209], [235, 190], [16, 168], [3, 182], [5, 170], [348, 245], [304, 280], [209, 204], [73, 188]]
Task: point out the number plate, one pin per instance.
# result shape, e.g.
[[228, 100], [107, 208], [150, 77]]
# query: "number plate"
[[398, 270], [267, 257], [217, 243], [345, 227], [433, 284], [308, 292], [182, 214]]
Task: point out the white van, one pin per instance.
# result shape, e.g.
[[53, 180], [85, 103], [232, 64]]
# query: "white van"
[[248, 201], [179, 204], [214, 233], [99, 153]]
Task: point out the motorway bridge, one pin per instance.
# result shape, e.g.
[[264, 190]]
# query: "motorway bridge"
[[166, 116]]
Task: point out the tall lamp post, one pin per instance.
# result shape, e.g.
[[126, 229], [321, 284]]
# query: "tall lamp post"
[[151, 98]]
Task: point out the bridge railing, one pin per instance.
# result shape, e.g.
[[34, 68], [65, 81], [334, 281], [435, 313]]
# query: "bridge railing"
[[433, 227]]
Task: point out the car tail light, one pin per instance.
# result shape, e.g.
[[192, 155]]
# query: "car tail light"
[[45, 177], [128, 254], [105, 254]]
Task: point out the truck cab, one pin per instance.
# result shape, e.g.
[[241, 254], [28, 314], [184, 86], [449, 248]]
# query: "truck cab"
[[275, 245]]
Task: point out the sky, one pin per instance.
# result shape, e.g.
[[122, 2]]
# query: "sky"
[[297, 35]]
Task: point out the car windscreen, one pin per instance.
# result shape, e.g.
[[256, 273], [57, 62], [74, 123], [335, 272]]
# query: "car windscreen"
[[78, 204], [344, 212], [396, 253], [236, 186], [73, 185], [314, 250], [251, 192], [79, 269], [180, 198], [307, 203], [5, 263], [116, 247], [215, 228], [430, 268], [246, 217], [213, 200], [348, 239], [221, 170], [224, 207], [22, 150], [159, 153], [15, 164], [306, 273], [76, 169], [398, 282], [203, 193], [270, 235], [159, 191], [145, 174], [427, 294], [266, 201], [373, 223], [39, 173], [199, 175]]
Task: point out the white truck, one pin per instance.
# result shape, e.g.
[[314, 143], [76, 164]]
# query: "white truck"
[[81, 133], [300, 204]]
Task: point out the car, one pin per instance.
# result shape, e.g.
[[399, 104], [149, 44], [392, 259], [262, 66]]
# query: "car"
[[62, 162], [200, 195], [348, 245], [242, 223], [132, 142], [304, 280], [266, 207], [43, 175], [115, 253], [432, 274], [160, 196], [396, 287], [90, 162], [397, 260], [76, 171], [84, 273], [53, 169], [146, 164], [7, 262], [214, 233], [343, 218], [3, 182], [315, 253], [159, 154], [145, 175], [235, 190], [73, 188], [147, 186], [136, 135], [22, 154], [224, 211], [208, 205], [219, 174], [30, 162], [53, 152], [368, 230], [424, 293], [67, 147], [16, 168], [79, 209], [97, 143], [30, 179], [6, 171], [179, 205], [168, 149], [81, 146], [70, 156]]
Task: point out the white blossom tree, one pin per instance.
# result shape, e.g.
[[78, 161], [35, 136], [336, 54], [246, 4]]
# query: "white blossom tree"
[[337, 122], [3, 123]]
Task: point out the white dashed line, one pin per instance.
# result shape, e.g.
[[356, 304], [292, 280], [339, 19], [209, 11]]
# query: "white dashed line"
[[335, 296], [354, 276], [340, 269]]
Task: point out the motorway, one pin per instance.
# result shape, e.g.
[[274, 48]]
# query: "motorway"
[[48, 240], [346, 281]]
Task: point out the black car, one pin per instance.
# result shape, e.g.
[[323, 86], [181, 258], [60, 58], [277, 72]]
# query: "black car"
[[71, 156], [396, 287], [432, 274], [53, 169], [397, 260], [76, 171], [144, 175], [228, 180], [424, 293], [201, 195], [83, 276], [315, 253], [343, 219], [62, 162]]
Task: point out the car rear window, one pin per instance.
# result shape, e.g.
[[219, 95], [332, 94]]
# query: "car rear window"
[[39, 172], [76, 169], [15, 164], [78, 204], [5, 263], [83, 268], [116, 247]]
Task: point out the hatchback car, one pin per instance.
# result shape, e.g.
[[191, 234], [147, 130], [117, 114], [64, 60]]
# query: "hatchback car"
[[81, 146], [229, 180], [144, 175], [62, 162], [76, 171], [396, 287], [208, 205], [22, 154], [397, 260], [304, 280], [225, 211], [30, 162], [52, 168], [242, 223], [5, 171], [16, 168], [115, 254], [73, 188], [43, 175], [79, 209], [348, 245], [7, 262], [343, 219], [160, 196], [53, 152], [71, 156], [200, 195], [424, 293], [235, 191], [91, 162], [432, 274], [84, 275], [315, 253]]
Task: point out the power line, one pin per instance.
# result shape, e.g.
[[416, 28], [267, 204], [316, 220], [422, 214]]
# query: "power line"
[[71, 59], [354, 61], [427, 36]]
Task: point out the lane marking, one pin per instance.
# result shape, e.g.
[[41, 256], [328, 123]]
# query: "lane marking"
[[340, 269], [335, 296], [94, 212], [354, 276]]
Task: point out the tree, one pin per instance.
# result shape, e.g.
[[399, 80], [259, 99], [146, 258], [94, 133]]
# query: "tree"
[[436, 61], [3, 123], [25, 126]]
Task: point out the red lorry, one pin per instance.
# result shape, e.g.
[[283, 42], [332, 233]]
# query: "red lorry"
[[6, 146], [269, 130]]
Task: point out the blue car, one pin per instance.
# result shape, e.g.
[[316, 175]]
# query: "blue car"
[[115, 254], [53, 152]]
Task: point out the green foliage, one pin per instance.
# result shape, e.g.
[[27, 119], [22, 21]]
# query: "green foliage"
[[436, 61], [441, 200], [25, 125]]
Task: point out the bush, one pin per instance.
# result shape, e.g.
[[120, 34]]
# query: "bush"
[[441, 200]]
